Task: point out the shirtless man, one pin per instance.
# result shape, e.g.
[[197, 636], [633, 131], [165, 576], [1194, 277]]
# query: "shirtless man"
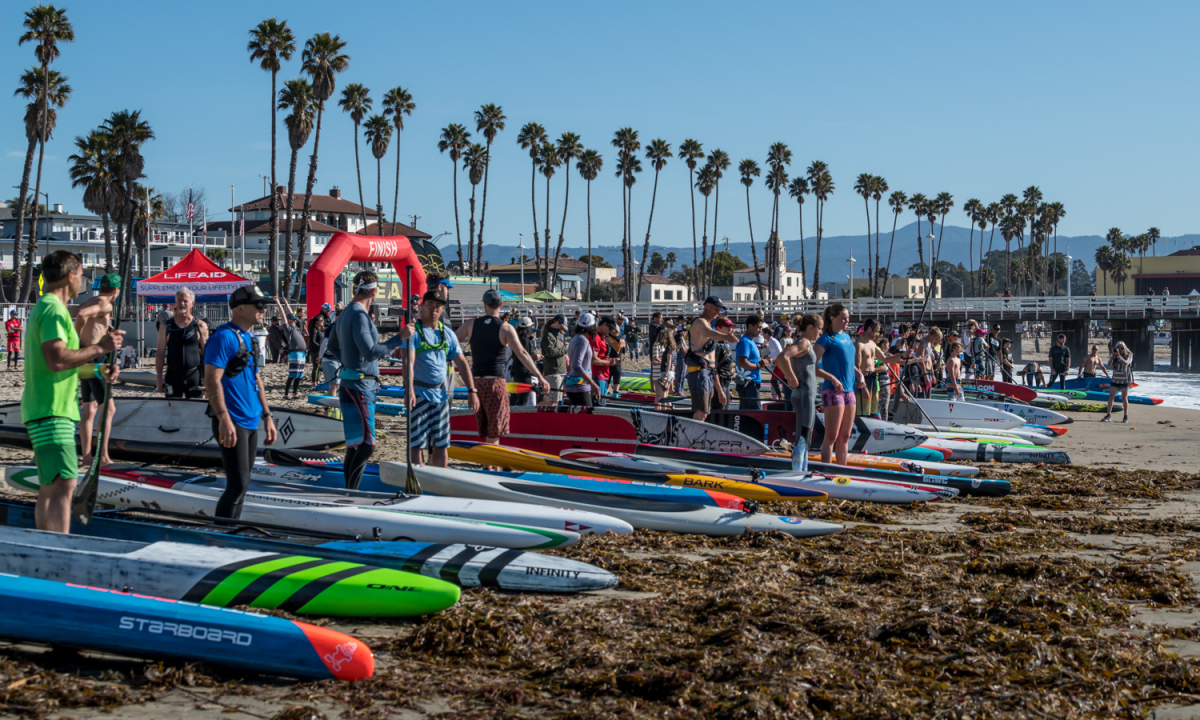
[[1092, 363], [866, 355], [701, 349], [92, 322]]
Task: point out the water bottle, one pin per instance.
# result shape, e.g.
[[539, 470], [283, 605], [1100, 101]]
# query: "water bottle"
[[800, 455]]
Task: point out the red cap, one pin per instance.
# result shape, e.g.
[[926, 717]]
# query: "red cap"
[[723, 323]]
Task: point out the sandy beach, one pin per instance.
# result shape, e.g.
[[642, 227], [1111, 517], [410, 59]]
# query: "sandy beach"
[[1074, 597]]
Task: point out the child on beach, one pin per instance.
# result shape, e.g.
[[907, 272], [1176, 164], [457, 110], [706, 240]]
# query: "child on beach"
[[1006, 360], [954, 370]]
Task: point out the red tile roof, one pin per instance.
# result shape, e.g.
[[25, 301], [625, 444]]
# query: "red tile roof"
[[395, 228], [263, 227], [320, 203]]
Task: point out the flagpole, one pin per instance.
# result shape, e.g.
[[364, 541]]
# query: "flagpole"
[[232, 216]]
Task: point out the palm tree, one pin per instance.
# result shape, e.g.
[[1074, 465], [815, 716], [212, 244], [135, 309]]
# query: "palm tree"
[[356, 100], [863, 187], [821, 182], [671, 260], [489, 120], [550, 162], [532, 136], [569, 149], [271, 41], [397, 103], [919, 204], [150, 208], [897, 201], [47, 26], [128, 132], [1022, 212], [629, 168], [1154, 234], [454, 139], [689, 152], [627, 144], [720, 162], [779, 156], [474, 158], [296, 95], [995, 213], [972, 208], [941, 205], [30, 88], [1104, 260], [704, 183], [590, 164], [748, 169], [378, 132], [91, 169], [1009, 228], [798, 189], [657, 153], [323, 60], [879, 186]]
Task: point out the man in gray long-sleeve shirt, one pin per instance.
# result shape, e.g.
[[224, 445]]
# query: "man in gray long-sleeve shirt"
[[359, 350]]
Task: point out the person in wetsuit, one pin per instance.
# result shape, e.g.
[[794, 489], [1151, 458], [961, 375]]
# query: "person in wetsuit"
[[181, 340]]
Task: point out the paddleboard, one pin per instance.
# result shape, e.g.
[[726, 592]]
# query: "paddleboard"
[[550, 429], [225, 577], [1018, 434], [756, 465], [1071, 406], [635, 384], [1020, 392], [142, 626], [464, 565], [1028, 413], [839, 487], [381, 408], [667, 516], [998, 452], [500, 456], [861, 462], [952, 414], [924, 454], [776, 426], [184, 422], [123, 489], [146, 378]]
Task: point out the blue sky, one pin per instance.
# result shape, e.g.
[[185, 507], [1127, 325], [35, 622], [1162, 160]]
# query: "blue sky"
[[1093, 102]]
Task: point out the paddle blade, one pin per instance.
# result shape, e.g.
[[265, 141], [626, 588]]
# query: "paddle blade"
[[517, 388], [83, 502]]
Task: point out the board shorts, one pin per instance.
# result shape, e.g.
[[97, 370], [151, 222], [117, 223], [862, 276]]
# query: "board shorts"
[[493, 414], [296, 362], [91, 390], [867, 397], [358, 411], [700, 385], [832, 398], [329, 369], [53, 440], [1088, 375], [429, 424], [556, 385], [14, 346], [1118, 386]]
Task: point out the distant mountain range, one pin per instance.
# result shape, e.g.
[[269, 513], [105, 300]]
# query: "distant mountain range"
[[835, 249]]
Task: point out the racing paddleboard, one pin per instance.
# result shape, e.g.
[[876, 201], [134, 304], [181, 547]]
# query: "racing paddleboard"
[[381, 408], [1028, 413], [999, 452], [776, 426], [667, 516], [550, 429], [142, 626], [946, 414], [225, 577], [465, 565], [1020, 392]]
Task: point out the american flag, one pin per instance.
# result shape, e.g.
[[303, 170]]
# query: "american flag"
[[191, 211]]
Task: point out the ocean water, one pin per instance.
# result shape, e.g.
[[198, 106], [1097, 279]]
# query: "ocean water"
[[1181, 390]]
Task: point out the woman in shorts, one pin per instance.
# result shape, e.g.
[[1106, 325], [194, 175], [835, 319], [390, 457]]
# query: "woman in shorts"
[[835, 351], [1122, 378]]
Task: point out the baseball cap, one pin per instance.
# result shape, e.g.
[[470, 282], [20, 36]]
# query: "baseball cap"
[[433, 295], [980, 331], [723, 323], [526, 321], [111, 281], [560, 319], [12, 312], [586, 320], [714, 300], [491, 298], [248, 294], [1061, 336], [325, 306]]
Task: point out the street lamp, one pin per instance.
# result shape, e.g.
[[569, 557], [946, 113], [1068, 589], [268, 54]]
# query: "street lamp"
[[521, 258], [850, 280], [929, 289], [1069, 259]]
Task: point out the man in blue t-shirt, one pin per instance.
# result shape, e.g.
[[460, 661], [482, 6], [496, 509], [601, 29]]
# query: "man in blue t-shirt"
[[749, 365], [237, 400], [429, 345]]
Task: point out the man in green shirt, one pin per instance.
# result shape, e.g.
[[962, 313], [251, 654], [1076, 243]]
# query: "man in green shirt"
[[54, 363]]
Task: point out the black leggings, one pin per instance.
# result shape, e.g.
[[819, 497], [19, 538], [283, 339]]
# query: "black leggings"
[[292, 384], [316, 369], [1060, 376], [355, 463], [238, 461], [580, 399]]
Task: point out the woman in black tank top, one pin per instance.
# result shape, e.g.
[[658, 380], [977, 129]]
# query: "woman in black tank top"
[[487, 352]]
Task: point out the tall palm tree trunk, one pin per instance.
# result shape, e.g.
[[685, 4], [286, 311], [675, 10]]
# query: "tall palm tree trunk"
[[17, 276], [537, 246], [302, 249], [629, 248], [753, 251], [875, 277], [287, 244], [695, 258], [273, 243], [991, 241], [470, 225], [457, 225], [713, 264], [362, 204], [396, 197], [625, 270], [483, 210], [891, 246], [870, 274], [591, 260], [700, 271], [817, 260], [379, 192], [107, 243], [971, 254], [37, 192], [921, 250], [803, 265], [646, 246], [546, 275], [562, 228]]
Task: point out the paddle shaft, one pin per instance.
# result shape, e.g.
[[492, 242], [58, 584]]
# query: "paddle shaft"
[[411, 486]]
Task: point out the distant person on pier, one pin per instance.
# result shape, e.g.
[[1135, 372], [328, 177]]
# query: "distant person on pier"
[[1060, 361]]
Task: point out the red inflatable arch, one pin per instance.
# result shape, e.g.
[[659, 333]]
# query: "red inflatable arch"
[[346, 248]]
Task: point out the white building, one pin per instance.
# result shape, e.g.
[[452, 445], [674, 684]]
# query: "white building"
[[898, 287], [786, 284], [659, 289]]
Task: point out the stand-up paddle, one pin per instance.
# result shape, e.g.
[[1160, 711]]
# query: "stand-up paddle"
[[411, 486]]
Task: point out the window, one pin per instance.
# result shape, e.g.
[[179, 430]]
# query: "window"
[[789, 281], [657, 294]]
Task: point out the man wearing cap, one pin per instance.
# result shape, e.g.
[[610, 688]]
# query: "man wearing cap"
[[91, 324], [12, 328], [1060, 361], [236, 397], [296, 346], [53, 368], [702, 341], [359, 347], [488, 336], [429, 345], [554, 358], [180, 355]]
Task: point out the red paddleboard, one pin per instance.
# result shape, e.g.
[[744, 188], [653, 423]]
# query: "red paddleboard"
[[553, 432], [1020, 392], [945, 453]]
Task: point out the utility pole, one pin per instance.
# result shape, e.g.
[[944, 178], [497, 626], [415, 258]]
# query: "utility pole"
[[264, 179], [415, 218]]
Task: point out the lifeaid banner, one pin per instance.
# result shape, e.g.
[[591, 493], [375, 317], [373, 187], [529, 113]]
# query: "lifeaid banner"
[[197, 272]]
